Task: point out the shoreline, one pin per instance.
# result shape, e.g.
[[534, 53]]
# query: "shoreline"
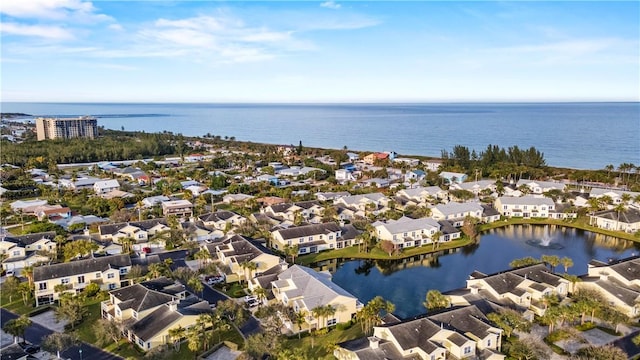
[[377, 254]]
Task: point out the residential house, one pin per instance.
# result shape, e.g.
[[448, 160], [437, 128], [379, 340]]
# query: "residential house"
[[27, 206], [139, 300], [79, 182], [453, 177], [406, 232], [232, 198], [377, 182], [179, 208], [198, 231], [615, 195], [475, 187], [139, 231], [432, 165], [104, 187], [407, 161], [456, 212], [522, 288], [237, 250], [422, 195], [618, 282], [540, 187], [330, 196], [364, 203], [304, 289], [627, 220], [153, 330], [526, 206], [460, 333], [306, 209], [373, 157], [343, 175], [222, 220], [414, 176], [313, 238], [353, 156], [109, 272], [27, 250], [296, 171], [152, 201]]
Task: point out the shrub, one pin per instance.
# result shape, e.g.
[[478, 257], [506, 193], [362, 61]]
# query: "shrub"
[[344, 326], [91, 290]]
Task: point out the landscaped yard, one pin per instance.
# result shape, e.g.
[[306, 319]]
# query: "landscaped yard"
[[323, 345], [377, 253]]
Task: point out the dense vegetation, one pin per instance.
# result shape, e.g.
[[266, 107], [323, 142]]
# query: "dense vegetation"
[[111, 146]]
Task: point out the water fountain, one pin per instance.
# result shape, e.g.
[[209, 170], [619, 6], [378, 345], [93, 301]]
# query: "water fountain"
[[545, 241]]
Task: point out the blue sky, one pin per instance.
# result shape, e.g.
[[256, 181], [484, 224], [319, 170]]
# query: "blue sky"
[[333, 51]]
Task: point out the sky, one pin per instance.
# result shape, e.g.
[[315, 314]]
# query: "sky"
[[319, 51]]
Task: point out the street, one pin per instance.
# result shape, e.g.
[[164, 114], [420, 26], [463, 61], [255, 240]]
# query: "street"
[[35, 333]]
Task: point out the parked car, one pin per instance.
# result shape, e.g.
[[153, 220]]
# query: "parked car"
[[29, 348], [146, 250], [10, 273], [213, 280], [249, 298], [253, 302]]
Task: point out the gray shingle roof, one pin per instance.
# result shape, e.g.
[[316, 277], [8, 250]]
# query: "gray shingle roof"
[[41, 273], [308, 230], [139, 298]]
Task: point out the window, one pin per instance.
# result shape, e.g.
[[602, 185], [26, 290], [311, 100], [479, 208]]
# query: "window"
[[140, 342], [42, 286], [321, 237], [331, 246], [405, 234], [488, 342], [525, 207], [134, 314], [123, 270], [98, 275], [39, 247], [339, 245], [16, 253], [330, 237], [310, 238], [81, 279], [301, 240], [467, 350], [505, 207], [331, 322], [111, 275], [112, 286], [64, 281], [118, 312]]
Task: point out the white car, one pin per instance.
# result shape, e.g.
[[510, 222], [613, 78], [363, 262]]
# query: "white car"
[[10, 273], [250, 298]]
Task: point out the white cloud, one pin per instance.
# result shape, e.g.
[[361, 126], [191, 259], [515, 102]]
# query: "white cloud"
[[115, 27], [44, 31], [331, 5], [76, 10]]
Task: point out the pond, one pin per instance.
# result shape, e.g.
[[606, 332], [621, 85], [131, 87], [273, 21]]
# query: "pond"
[[406, 282]]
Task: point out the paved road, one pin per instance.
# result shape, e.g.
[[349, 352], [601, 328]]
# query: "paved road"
[[36, 332]]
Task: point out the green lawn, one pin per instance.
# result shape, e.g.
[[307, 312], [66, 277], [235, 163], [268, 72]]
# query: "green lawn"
[[85, 329], [377, 254], [323, 345], [16, 304]]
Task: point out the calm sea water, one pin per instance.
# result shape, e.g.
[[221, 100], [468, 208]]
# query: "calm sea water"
[[405, 283], [576, 135]]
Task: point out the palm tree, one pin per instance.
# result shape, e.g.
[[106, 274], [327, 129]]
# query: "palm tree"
[[176, 335], [435, 300], [609, 169], [435, 239], [27, 272], [202, 256], [620, 208], [567, 262], [127, 244], [196, 285], [248, 265], [261, 293], [292, 251]]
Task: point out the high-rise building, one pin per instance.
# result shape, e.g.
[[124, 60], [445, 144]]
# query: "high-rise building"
[[54, 128]]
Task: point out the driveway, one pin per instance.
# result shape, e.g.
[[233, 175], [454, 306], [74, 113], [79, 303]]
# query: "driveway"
[[36, 332]]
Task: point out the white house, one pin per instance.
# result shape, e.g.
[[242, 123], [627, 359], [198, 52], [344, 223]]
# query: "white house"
[[525, 206], [406, 232], [105, 186]]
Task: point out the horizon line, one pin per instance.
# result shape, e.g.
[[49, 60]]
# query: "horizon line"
[[333, 102]]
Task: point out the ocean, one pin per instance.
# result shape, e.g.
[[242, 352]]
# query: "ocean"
[[573, 135]]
